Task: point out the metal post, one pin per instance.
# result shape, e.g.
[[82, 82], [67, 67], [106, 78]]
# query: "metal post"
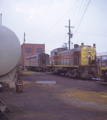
[[1, 18], [69, 34], [24, 51]]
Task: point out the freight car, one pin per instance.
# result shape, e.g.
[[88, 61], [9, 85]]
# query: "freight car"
[[78, 62], [37, 62]]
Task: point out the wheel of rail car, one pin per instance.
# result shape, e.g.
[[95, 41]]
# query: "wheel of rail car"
[[80, 75], [68, 73]]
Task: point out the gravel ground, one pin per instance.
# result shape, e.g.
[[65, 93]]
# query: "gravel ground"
[[69, 99]]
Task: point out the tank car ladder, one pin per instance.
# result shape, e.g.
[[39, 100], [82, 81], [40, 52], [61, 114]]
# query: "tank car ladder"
[[3, 107]]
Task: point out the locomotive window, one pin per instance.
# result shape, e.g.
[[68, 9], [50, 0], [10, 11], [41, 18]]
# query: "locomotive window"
[[64, 61], [67, 62], [44, 57], [55, 53], [52, 54], [61, 62]]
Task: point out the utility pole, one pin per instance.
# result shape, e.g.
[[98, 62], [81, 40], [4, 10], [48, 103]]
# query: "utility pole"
[[1, 18], [24, 51], [70, 35], [24, 37]]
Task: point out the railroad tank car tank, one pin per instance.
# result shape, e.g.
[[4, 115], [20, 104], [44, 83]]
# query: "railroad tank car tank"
[[10, 52]]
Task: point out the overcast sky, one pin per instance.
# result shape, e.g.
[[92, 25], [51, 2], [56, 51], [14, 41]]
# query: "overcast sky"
[[44, 21]]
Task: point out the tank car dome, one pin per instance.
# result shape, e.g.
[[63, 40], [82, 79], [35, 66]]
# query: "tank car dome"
[[10, 50]]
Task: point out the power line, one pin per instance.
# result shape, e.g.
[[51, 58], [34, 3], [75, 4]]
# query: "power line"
[[82, 16], [74, 12], [101, 46], [56, 22], [70, 10], [97, 34], [48, 41], [79, 13]]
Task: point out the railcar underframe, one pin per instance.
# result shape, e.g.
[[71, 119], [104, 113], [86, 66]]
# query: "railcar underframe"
[[74, 71]]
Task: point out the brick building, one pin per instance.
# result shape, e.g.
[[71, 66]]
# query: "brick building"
[[31, 49]]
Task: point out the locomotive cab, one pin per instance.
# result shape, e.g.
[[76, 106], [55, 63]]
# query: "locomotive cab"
[[54, 56]]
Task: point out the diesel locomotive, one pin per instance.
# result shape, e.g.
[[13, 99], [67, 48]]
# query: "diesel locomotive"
[[78, 62]]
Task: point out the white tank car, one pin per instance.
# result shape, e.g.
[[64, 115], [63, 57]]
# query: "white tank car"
[[10, 50]]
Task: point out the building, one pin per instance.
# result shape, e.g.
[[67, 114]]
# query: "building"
[[31, 49]]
